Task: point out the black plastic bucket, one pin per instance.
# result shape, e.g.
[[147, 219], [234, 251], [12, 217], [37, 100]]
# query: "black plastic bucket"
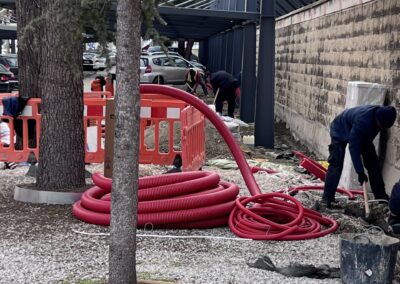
[[368, 258]]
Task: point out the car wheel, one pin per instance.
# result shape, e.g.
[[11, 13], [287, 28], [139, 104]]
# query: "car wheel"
[[158, 80]]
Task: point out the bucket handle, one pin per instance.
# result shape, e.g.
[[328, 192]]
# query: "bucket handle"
[[358, 237]]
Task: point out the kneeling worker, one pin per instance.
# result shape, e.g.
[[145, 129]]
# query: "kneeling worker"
[[357, 127]]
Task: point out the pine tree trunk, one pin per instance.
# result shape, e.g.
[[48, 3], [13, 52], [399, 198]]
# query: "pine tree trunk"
[[61, 156], [126, 151], [29, 30]]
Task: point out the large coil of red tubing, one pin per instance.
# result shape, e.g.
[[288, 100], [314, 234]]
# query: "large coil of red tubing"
[[202, 200]]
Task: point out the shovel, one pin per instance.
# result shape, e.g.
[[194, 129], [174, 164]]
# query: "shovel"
[[366, 204]]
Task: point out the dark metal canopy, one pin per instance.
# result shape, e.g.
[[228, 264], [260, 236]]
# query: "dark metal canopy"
[[200, 23], [194, 19], [197, 24]]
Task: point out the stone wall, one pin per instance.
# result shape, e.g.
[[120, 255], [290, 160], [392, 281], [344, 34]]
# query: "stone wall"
[[319, 49]]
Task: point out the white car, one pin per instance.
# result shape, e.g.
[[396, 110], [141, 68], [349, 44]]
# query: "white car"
[[100, 63], [94, 61]]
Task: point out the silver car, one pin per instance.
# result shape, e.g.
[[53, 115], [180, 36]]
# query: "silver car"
[[159, 68]]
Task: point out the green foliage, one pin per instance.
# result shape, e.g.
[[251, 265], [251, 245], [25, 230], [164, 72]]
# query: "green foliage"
[[149, 15], [93, 19]]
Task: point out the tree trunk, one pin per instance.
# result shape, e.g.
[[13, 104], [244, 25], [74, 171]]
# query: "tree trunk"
[[61, 156], [181, 47], [124, 198], [29, 26], [188, 50]]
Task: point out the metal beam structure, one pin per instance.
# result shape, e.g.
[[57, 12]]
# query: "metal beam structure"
[[264, 123], [249, 80]]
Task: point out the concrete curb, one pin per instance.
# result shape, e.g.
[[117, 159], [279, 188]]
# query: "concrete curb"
[[45, 197]]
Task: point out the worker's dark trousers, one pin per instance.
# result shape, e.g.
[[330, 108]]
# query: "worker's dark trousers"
[[371, 163], [226, 95]]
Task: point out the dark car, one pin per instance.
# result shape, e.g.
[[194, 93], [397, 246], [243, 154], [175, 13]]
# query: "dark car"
[[8, 83], [10, 61]]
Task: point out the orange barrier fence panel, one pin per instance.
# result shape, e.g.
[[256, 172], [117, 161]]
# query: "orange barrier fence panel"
[[193, 139], [96, 110], [19, 138], [168, 128], [94, 119], [160, 124], [22, 147], [95, 86], [109, 85]]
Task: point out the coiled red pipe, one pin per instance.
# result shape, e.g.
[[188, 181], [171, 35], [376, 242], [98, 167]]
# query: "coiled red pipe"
[[170, 198], [184, 200]]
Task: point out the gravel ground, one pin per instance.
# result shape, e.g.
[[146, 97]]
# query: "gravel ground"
[[46, 244]]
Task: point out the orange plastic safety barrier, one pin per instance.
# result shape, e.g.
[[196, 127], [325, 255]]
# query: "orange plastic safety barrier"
[[21, 145], [109, 85], [95, 85], [169, 128], [193, 138]]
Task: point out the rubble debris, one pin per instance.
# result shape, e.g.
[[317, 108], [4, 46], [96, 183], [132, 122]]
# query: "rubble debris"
[[297, 269]]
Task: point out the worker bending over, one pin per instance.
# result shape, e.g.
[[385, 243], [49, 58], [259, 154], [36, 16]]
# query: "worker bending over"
[[357, 127], [225, 88], [193, 79]]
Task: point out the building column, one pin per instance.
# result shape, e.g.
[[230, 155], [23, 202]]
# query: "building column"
[[264, 123]]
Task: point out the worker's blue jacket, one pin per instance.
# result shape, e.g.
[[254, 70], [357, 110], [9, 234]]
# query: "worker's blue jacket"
[[356, 126], [223, 80]]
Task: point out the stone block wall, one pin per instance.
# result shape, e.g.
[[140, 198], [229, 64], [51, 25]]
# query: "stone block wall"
[[319, 50]]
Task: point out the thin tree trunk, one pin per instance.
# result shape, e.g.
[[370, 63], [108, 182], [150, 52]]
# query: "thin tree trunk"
[[188, 50], [29, 21], [181, 47], [61, 156], [124, 198]]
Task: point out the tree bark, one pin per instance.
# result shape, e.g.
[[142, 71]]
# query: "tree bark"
[[181, 47], [188, 50], [29, 21], [124, 198], [61, 156]]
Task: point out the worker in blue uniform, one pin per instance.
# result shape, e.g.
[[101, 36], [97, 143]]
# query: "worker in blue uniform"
[[357, 127], [226, 88]]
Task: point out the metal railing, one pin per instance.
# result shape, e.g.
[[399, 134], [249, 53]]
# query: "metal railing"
[[193, 4]]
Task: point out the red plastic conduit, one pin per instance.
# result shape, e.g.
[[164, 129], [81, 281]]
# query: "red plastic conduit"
[[187, 200]]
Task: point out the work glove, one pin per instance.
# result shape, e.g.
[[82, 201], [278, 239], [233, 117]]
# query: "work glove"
[[362, 178]]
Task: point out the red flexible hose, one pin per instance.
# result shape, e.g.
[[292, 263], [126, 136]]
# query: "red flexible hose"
[[200, 200], [184, 200]]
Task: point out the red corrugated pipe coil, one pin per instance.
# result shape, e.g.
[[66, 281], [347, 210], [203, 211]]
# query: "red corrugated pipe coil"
[[201, 200]]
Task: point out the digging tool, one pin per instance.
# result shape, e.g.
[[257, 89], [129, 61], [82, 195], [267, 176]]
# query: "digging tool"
[[191, 89], [366, 204], [216, 96]]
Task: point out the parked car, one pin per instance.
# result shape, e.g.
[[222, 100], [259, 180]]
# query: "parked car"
[[199, 65], [94, 61], [88, 61], [160, 68], [8, 83], [10, 61]]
